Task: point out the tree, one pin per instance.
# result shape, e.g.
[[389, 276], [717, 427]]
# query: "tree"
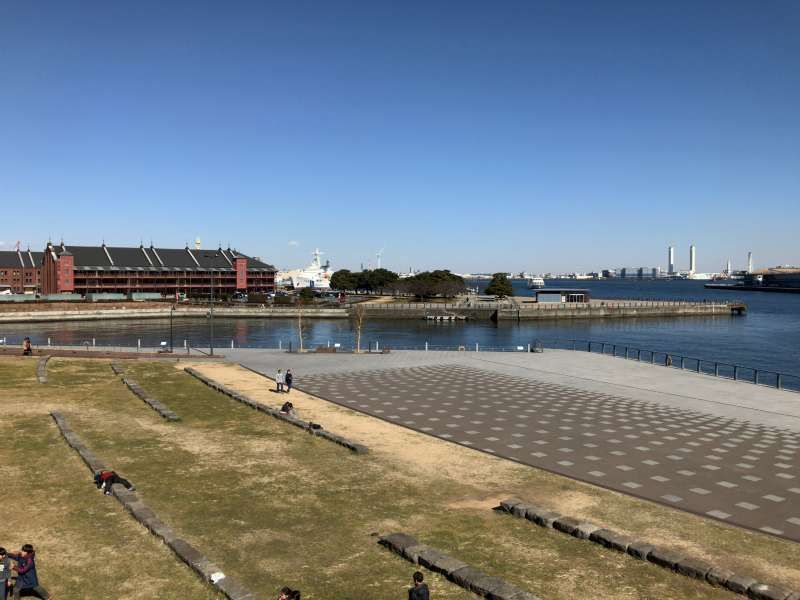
[[307, 294], [433, 283], [358, 316], [343, 279], [499, 286]]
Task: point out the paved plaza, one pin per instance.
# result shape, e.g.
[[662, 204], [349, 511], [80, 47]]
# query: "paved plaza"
[[652, 444]]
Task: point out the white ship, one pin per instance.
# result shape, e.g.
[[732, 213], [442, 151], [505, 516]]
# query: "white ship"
[[535, 283], [316, 275]]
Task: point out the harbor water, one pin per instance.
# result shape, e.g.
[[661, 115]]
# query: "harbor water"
[[767, 337]]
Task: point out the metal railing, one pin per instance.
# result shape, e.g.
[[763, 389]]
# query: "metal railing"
[[735, 372]]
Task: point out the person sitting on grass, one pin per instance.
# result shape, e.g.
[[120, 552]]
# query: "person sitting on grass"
[[5, 574], [27, 581], [105, 479], [288, 408], [288, 593], [420, 590]]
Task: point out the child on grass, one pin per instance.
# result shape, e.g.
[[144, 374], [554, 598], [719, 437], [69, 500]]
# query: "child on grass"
[[27, 581]]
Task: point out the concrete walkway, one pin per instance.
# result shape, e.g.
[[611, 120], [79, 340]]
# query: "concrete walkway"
[[719, 448]]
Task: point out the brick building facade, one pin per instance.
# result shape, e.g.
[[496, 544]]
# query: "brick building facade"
[[20, 271], [106, 269]]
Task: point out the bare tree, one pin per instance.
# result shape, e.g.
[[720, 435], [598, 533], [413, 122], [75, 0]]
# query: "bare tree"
[[358, 316], [300, 325]]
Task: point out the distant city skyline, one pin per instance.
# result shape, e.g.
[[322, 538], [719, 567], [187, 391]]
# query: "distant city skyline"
[[523, 136]]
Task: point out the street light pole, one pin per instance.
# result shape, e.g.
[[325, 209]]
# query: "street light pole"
[[171, 311], [211, 343]]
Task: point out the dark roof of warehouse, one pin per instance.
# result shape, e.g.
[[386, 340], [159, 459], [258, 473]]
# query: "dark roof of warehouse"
[[24, 258], [151, 258]]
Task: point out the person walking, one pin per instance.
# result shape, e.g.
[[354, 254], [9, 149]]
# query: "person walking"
[[280, 379], [289, 378]]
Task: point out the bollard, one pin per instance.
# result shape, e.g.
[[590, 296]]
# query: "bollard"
[[93, 344], [138, 345], [426, 346], [48, 341], [755, 376], [716, 369], [735, 372], [377, 347], [778, 381], [529, 348], [231, 344], [280, 344], [476, 346], [185, 345]]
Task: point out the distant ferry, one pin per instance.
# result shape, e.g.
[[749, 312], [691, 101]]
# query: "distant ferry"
[[316, 275], [535, 283]]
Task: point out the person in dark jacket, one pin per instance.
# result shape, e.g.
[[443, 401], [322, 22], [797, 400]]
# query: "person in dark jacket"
[[105, 479], [27, 581], [5, 574], [420, 590], [288, 378], [27, 349]]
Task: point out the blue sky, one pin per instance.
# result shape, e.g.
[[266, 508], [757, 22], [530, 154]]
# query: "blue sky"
[[470, 135]]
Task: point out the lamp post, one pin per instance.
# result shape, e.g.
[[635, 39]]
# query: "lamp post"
[[171, 312], [211, 323]]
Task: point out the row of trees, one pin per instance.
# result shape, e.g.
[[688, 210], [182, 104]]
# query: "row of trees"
[[381, 281]]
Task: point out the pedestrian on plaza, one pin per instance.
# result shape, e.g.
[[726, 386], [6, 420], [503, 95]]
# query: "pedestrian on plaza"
[[280, 379], [27, 581], [420, 590], [289, 378], [5, 574]]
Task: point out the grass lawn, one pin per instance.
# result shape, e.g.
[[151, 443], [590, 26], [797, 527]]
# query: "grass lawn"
[[274, 506]]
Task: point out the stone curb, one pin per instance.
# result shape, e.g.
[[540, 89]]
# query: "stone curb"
[[41, 369], [669, 559], [210, 572], [453, 569], [117, 368], [151, 402], [273, 412]]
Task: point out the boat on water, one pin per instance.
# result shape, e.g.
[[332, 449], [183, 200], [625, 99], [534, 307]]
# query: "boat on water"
[[316, 275], [535, 283]]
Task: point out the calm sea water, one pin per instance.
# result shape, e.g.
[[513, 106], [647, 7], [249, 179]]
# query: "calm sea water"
[[768, 337]]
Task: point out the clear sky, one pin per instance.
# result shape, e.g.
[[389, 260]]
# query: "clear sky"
[[477, 136]]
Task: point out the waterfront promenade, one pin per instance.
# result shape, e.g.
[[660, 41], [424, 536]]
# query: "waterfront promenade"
[[722, 449]]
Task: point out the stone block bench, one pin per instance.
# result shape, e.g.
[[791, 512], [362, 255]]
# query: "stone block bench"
[[151, 402], [457, 571], [308, 426], [41, 369], [117, 368], [206, 569], [675, 561]]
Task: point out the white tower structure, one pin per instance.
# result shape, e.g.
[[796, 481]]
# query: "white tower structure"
[[671, 260], [749, 262], [728, 267], [692, 260]]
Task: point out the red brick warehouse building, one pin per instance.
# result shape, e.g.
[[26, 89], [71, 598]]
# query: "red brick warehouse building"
[[167, 271], [20, 271]]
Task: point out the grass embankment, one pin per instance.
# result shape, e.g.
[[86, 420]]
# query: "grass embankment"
[[274, 506], [87, 546]]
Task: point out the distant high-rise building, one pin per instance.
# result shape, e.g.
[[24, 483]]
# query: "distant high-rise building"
[[749, 262], [692, 259], [671, 260]]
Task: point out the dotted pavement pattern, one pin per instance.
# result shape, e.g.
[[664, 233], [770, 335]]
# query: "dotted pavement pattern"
[[732, 470]]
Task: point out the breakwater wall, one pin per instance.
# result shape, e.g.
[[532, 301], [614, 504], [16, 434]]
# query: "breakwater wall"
[[500, 311], [94, 314]]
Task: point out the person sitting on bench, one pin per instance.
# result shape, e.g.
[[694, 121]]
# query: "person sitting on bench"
[[105, 479], [287, 408], [27, 349]]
